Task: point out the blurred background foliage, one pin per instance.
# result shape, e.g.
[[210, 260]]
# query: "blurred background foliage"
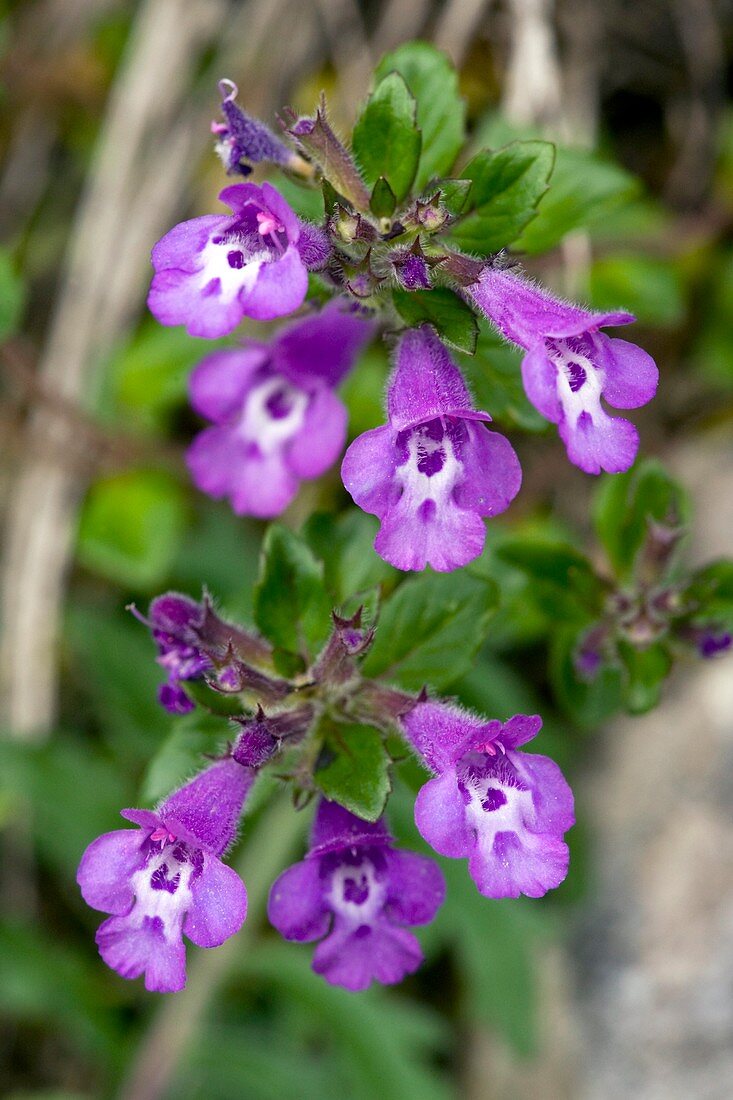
[[104, 143]]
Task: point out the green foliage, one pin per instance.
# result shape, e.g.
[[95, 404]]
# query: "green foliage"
[[344, 543], [452, 319], [559, 573], [48, 984], [291, 606], [130, 527], [453, 194], [646, 670], [386, 141], [430, 629], [588, 702], [433, 82], [356, 772], [507, 186], [383, 200], [623, 506], [585, 190], [647, 286], [112, 658], [710, 593], [712, 348], [383, 1045], [146, 380], [12, 295], [181, 753]]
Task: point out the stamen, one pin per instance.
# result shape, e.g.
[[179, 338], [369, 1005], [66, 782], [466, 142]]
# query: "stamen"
[[268, 223], [162, 836]]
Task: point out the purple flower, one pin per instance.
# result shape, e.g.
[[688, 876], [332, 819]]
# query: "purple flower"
[[166, 879], [174, 622], [506, 811], [356, 894], [433, 471], [213, 271], [570, 365], [711, 642], [276, 418], [243, 140]]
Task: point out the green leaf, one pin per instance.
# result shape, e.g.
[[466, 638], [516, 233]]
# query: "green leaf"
[[383, 202], [345, 544], [12, 295], [453, 320], [623, 505], [433, 81], [130, 527], [507, 186], [495, 379], [559, 566], [430, 629], [585, 189], [291, 606], [386, 141], [182, 753], [648, 287], [357, 776], [646, 671]]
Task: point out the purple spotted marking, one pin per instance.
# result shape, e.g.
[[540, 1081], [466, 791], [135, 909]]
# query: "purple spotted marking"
[[576, 376]]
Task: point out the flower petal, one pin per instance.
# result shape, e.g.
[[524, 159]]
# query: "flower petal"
[[178, 298], [443, 536], [520, 729], [181, 247], [631, 375], [443, 733], [279, 288], [318, 443], [296, 905], [368, 470], [525, 313], [551, 793], [492, 474], [133, 949], [353, 959], [219, 904], [539, 377], [219, 384], [529, 864], [106, 868], [440, 816], [323, 346], [416, 887], [600, 442]]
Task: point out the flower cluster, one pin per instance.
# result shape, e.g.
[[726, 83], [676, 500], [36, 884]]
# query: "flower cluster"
[[383, 259], [434, 471], [355, 892]]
